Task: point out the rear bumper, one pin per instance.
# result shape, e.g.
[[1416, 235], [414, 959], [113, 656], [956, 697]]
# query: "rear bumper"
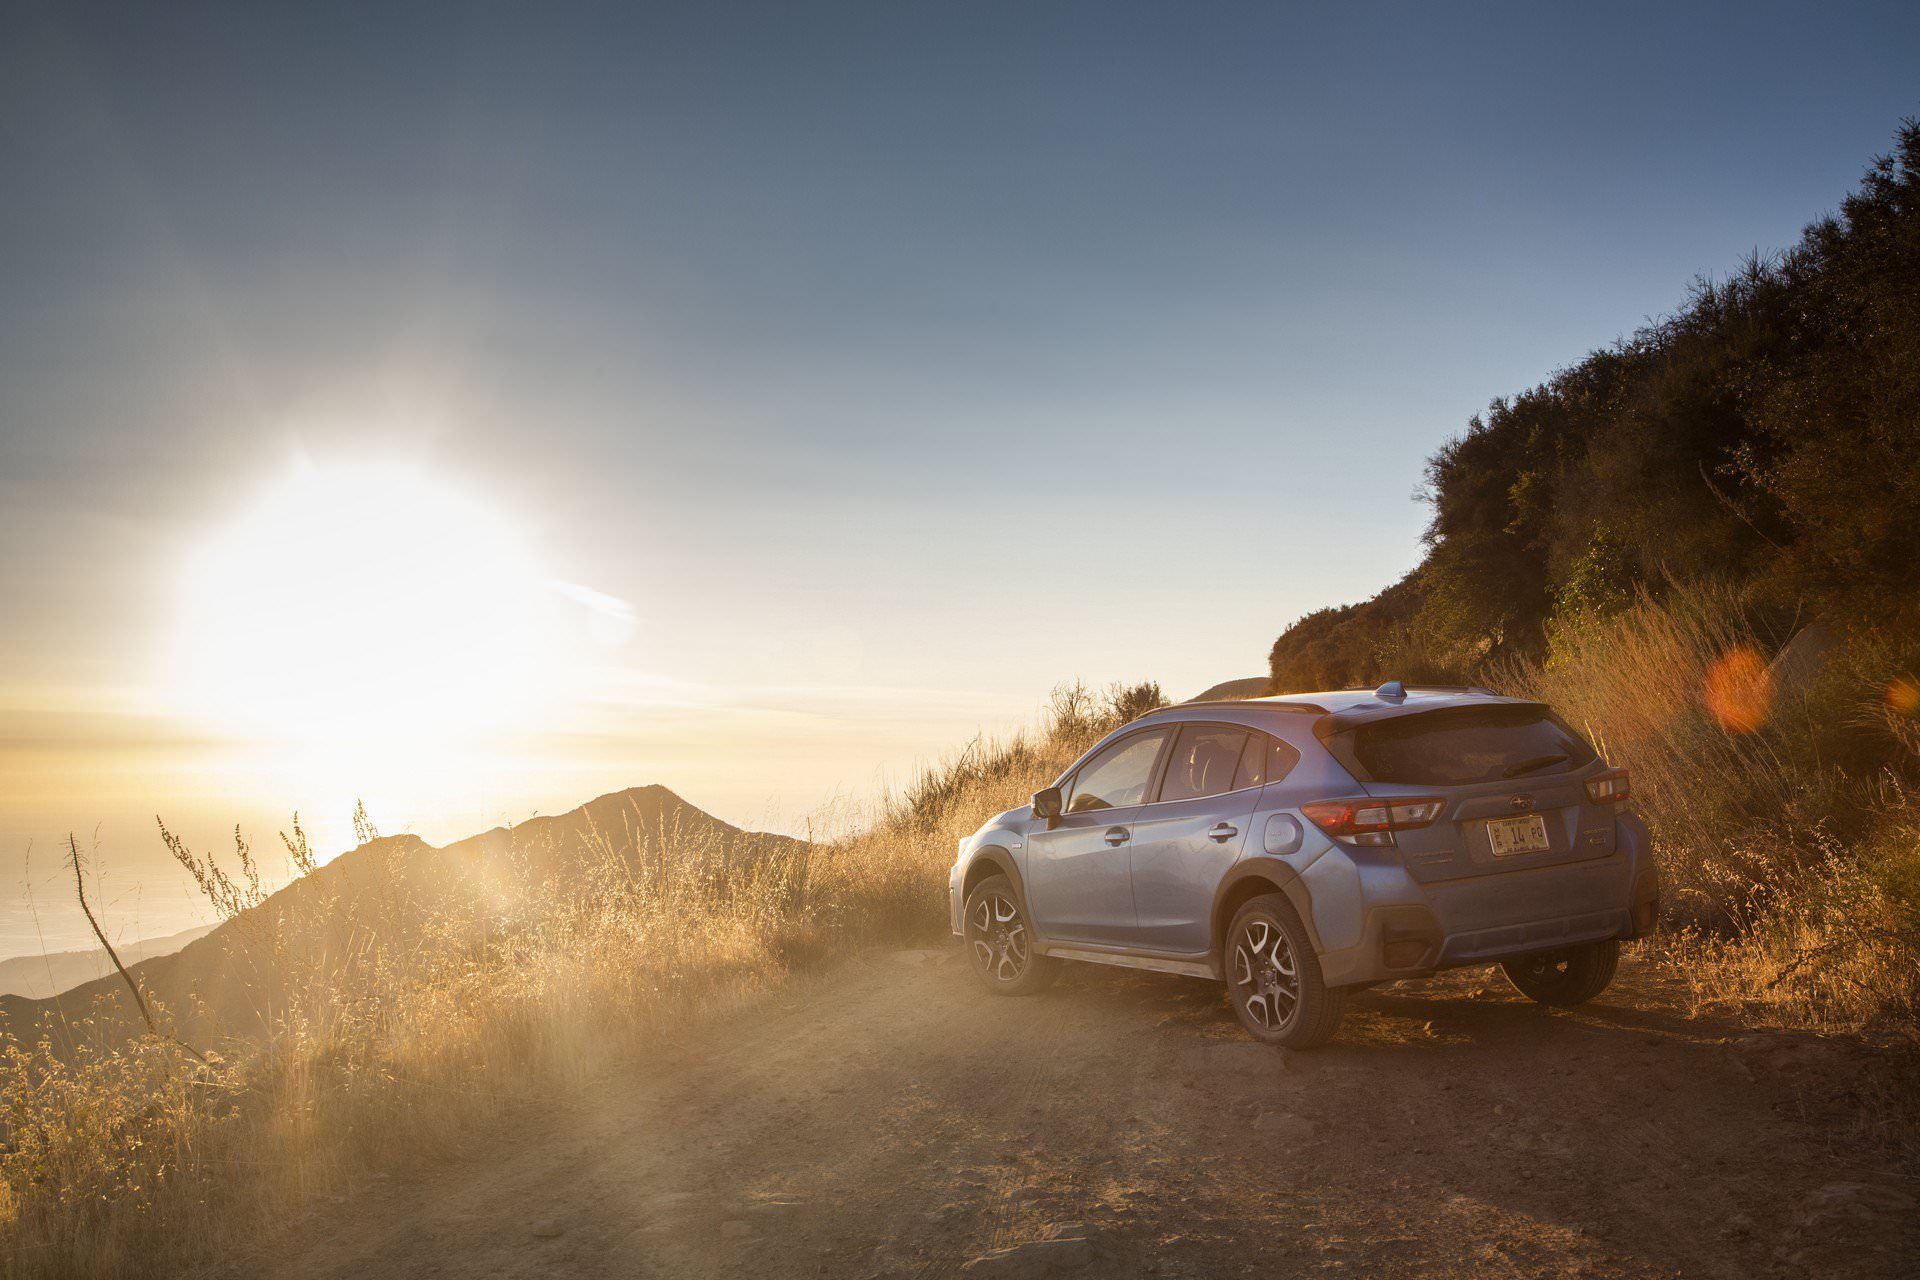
[[1386, 925]]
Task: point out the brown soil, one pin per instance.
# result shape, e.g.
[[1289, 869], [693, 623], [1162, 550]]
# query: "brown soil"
[[887, 1119]]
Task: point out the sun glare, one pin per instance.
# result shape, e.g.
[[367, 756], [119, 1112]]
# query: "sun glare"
[[372, 603]]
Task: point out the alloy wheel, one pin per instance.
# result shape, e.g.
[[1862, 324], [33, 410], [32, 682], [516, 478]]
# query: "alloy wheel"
[[1001, 945], [1265, 977]]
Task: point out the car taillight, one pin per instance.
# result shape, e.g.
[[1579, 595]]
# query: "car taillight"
[[1611, 785], [1365, 820]]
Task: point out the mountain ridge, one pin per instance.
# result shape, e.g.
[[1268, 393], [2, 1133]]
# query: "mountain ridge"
[[209, 994], [26, 975]]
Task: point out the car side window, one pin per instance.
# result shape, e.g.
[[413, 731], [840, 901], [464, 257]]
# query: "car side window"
[[1205, 759], [1119, 776], [1264, 760]]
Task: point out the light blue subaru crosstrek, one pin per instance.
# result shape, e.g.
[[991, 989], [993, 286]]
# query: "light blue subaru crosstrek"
[[1300, 847]]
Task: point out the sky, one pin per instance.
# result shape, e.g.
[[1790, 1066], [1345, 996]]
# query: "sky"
[[475, 409]]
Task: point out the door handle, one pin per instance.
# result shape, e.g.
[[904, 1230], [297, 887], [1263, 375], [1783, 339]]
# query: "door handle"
[[1116, 835], [1223, 831]]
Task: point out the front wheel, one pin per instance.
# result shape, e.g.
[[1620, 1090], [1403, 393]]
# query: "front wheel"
[[1273, 977], [1000, 941], [1565, 978]]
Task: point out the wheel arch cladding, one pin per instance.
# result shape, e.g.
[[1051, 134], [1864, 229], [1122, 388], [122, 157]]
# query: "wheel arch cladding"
[[1252, 879], [992, 860]]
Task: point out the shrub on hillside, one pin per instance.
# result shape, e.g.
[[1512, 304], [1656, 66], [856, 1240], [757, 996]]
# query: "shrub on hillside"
[[1763, 434]]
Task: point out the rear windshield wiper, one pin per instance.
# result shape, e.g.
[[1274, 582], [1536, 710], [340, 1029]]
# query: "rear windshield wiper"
[[1538, 762]]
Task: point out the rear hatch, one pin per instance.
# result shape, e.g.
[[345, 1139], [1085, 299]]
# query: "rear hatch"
[[1510, 776]]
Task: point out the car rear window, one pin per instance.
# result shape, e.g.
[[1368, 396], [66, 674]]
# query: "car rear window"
[[1205, 759], [1265, 760], [1457, 746]]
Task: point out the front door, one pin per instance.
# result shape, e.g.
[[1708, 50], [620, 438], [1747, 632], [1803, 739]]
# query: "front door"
[[1079, 877]]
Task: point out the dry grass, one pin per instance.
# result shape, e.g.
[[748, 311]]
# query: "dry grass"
[[395, 1027], [1788, 843]]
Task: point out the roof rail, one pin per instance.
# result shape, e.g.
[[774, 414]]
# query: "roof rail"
[[1396, 691], [1275, 702]]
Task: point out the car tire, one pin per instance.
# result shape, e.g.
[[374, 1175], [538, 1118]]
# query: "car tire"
[[1565, 978], [1000, 943], [1273, 977]]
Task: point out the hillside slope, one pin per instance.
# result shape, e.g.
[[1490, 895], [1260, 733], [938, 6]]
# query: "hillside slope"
[[215, 987], [1764, 435], [1249, 687]]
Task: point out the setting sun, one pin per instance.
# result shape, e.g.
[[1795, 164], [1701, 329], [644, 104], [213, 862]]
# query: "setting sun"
[[365, 601]]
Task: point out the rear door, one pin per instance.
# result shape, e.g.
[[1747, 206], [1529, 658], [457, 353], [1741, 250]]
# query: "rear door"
[[1512, 777], [1079, 875], [1185, 841]]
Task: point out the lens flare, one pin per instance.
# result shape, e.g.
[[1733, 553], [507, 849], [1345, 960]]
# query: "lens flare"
[[1903, 695], [1739, 690]]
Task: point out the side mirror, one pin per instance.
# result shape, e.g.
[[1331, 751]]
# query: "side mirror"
[[1047, 803]]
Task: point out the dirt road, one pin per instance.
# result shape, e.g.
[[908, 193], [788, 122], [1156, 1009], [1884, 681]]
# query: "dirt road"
[[886, 1119]]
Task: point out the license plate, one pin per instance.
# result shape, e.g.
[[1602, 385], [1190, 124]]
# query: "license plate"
[[1509, 836]]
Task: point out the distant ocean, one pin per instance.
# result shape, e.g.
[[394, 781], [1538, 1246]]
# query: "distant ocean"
[[46, 921]]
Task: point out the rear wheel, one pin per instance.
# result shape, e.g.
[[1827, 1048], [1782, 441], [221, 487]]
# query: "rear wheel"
[[1000, 941], [1564, 978], [1273, 977]]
